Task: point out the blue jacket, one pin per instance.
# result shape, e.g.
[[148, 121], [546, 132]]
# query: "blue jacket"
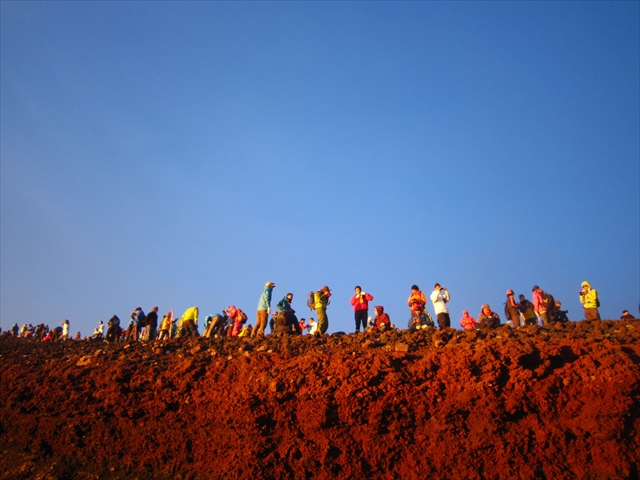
[[265, 299]]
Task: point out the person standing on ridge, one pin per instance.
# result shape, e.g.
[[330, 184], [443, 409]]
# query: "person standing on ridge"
[[321, 298], [511, 309], [539, 306], [440, 297], [264, 308], [589, 298], [139, 321], [360, 303], [527, 310], [65, 330], [152, 324]]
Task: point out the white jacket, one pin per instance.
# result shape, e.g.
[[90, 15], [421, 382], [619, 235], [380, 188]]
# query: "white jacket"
[[440, 301]]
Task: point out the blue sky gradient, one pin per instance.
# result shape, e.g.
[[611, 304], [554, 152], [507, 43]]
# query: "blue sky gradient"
[[184, 153]]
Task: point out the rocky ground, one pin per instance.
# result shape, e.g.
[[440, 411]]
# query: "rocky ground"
[[550, 403]]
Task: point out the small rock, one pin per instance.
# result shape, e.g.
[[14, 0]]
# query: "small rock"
[[402, 347], [195, 349]]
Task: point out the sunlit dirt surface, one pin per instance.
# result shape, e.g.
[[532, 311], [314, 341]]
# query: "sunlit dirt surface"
[[532, 403]]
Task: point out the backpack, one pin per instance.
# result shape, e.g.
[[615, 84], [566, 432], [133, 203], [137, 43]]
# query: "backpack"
[[507, 315], [548, 301], [241, 316], [597, 301], [311, 301]]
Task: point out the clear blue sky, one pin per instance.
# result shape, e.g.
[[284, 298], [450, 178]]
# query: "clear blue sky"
[[184, 153]]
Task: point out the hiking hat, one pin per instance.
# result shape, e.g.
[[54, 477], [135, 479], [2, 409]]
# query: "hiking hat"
[[326, 289]]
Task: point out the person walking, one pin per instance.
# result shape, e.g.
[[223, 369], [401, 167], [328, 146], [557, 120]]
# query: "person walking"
[[360, 303], [321, 298], [440, 297], [589, 299], [264, 308]]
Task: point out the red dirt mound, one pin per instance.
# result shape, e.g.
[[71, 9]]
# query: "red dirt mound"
[[533, 403]]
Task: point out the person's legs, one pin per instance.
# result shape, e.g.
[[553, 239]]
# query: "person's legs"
[[261, 323], [545, 318], [323, 320], [361, 318], [591, 314]]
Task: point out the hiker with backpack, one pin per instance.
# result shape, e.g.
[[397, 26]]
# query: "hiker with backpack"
[[541, 305], [238, 317], [360, 303], [321, 298], [439, 297], [264, 308], [589, 299], [511, 311]]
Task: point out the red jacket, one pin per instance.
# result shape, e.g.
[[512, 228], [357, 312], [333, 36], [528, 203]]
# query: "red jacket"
[[383, 319], [361, 303]]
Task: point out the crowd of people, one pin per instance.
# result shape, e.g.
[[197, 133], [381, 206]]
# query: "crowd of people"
[[544, 310]]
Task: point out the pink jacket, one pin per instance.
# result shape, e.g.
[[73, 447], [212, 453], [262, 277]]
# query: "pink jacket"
[[361, 303], [537, 302], [468, 323]]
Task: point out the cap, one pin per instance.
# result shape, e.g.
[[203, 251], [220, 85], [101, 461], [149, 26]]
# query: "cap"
[[270, 284]]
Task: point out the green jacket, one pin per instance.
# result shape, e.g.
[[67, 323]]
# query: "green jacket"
[[321, 299]]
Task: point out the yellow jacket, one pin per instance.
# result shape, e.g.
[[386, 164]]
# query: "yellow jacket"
[[191, 314]]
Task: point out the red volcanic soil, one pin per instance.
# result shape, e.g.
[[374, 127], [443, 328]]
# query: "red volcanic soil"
[[533, 403]]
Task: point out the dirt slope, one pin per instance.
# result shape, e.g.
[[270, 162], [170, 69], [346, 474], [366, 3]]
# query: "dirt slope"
[[533, 403]]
